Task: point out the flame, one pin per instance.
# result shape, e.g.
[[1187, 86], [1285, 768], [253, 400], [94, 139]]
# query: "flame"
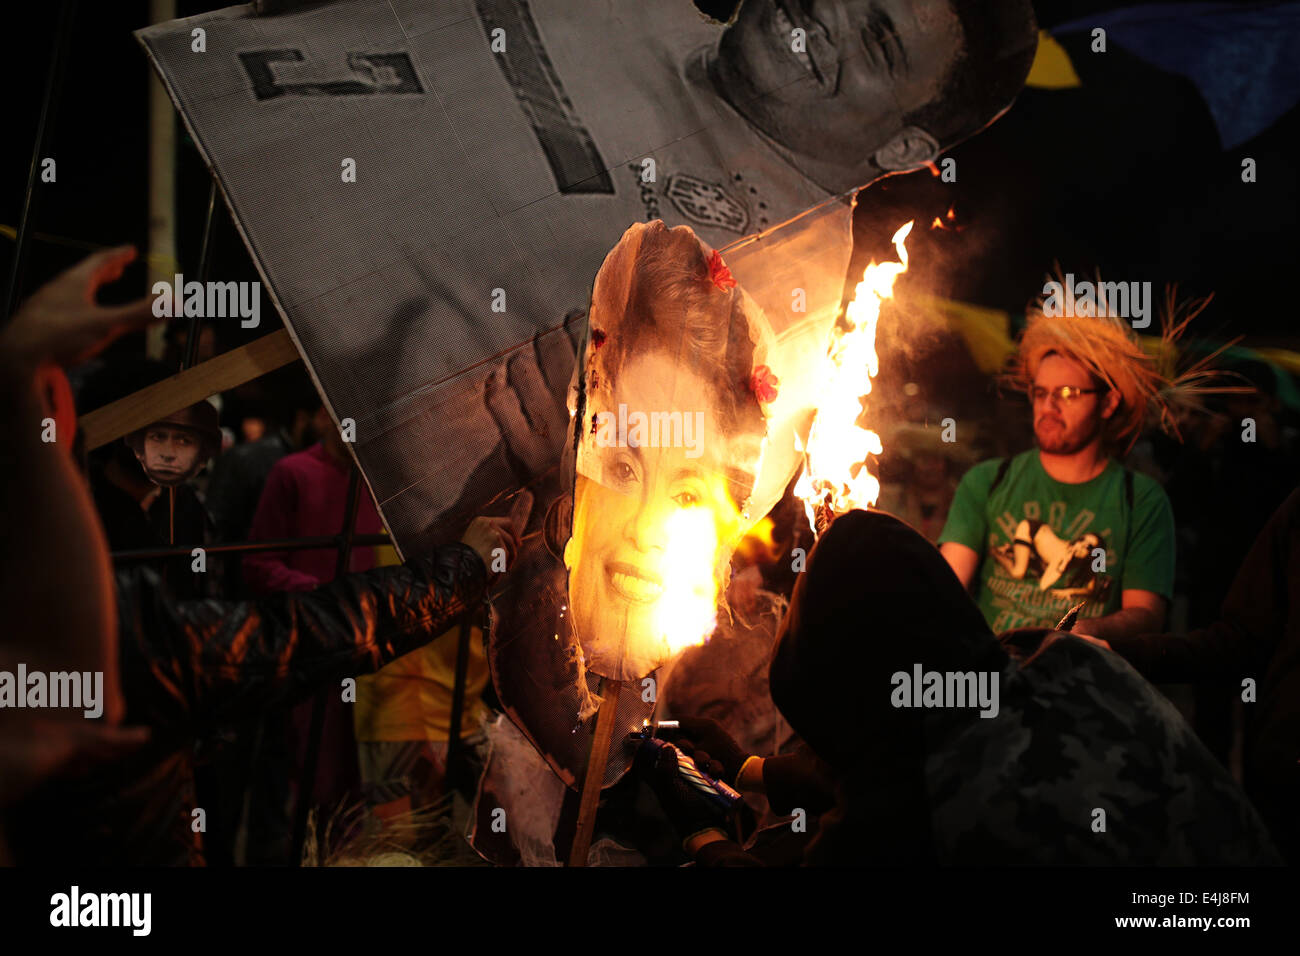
[[835, 470], [759, 545], [943, 223], [687, 613]]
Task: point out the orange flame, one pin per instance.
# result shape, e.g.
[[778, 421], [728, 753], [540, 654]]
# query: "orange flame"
[[945, 222], [759, 545], [835, 470]]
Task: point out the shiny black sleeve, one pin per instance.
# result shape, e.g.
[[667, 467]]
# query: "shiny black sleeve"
[[211, 661]]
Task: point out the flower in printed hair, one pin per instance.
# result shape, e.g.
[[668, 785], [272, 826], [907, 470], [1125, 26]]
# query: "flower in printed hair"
[[764, 383], [719, 273]]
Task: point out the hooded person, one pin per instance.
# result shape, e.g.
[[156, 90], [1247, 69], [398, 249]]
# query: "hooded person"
[[944, 749]]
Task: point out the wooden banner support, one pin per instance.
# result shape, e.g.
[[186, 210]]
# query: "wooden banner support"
[[219, 374], [595, 773]]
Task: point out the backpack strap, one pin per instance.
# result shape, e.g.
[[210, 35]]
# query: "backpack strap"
[[1001, 473], [1128, 528]]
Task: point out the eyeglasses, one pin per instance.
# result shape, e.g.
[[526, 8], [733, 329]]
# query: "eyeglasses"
[[1064, 394]]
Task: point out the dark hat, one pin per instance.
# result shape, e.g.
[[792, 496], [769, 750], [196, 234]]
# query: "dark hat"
[[200, 418]]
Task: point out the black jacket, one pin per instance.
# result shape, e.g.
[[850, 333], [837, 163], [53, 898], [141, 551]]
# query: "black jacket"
[[190, 667]]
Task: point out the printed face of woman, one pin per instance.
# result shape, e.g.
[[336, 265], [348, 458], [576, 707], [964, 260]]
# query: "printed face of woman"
[[653, 524], [1082, 547]]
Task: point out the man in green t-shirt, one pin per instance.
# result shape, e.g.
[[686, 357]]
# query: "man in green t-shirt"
[[1065, 523]]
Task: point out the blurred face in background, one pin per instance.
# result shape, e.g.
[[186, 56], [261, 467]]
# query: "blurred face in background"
[[170, 455], [930, 470], [308, 427], [252, 429]]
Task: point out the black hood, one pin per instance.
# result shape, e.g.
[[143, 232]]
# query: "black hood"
[[876, 598]]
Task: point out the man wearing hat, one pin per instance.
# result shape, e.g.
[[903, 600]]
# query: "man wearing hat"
[[173, 449], [1065, 523]]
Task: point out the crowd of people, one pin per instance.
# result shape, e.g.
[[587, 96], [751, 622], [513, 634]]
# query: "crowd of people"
[[241, 692]]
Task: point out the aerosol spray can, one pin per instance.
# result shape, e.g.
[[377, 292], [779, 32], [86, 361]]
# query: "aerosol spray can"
[[715, 791]]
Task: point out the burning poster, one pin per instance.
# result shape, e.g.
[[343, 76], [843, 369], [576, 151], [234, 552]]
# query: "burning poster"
[[670, 422], [428, 189], [691, 414]]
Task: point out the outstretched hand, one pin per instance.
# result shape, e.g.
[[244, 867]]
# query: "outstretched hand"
[[33, 749], [61, 322]]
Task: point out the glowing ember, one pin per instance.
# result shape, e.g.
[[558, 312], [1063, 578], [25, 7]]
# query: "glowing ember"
[[835, 475], [687, 613], [947, 222]]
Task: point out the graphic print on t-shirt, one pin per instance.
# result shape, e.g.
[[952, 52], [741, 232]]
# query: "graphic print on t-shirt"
[[1046, 546], [1046, 573]]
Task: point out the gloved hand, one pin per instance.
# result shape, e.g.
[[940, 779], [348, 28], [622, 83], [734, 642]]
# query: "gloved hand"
[[689, 810], [710, 746]]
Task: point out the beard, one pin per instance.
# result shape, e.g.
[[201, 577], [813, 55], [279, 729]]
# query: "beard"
[[1055, 439]]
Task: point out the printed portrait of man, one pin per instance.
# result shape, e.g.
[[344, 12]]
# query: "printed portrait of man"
[[879, 86]]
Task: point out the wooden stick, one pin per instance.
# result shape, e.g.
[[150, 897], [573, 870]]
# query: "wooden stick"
[[226, 371], [595, 774]]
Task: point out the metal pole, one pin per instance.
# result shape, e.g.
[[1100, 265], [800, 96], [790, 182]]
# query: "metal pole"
[[49, 107], [308, 783], [243, 547], [205, 263], [349, 524], [162, 180], [454, 747]]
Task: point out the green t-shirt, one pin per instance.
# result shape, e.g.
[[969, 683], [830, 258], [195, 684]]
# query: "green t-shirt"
[[1040, 541]]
